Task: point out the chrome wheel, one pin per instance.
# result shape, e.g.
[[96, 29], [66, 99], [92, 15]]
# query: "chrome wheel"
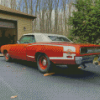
[[7, 56], [43, 63]]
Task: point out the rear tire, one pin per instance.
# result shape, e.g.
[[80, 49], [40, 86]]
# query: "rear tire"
[[7, 57], [43, 63]]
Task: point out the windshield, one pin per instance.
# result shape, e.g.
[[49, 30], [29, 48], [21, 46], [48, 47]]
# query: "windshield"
[[58, 38]]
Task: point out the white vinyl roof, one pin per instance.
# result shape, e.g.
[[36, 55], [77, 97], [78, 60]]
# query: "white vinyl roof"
[[43, 37]]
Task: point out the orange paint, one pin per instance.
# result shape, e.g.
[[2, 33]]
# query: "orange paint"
[[53, 49]]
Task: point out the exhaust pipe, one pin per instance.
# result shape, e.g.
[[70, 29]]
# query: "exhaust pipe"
[[96, 63]]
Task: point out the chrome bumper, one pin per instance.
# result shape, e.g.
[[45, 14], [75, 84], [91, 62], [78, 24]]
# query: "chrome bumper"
[[85, 59]]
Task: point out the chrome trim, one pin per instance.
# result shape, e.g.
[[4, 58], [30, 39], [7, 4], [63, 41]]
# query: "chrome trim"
[[84, 59], [30, 56]]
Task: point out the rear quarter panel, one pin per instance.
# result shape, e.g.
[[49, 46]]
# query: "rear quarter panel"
[[5, 47], [50, 51]]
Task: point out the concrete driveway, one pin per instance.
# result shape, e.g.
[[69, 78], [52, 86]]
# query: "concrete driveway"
[[23, 80]]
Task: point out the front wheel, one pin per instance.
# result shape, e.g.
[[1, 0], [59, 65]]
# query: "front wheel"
[[43, 63], [7, 57]]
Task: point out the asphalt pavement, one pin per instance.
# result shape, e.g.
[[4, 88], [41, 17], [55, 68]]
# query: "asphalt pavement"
[[23, 80]]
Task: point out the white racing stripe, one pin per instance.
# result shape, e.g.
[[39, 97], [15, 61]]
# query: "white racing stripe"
[[64, 57], [65, 48], [72, 48], [51, 45], [47, 44]]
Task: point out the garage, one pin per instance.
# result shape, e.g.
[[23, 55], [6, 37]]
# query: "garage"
[[8, 32], [13, 24]]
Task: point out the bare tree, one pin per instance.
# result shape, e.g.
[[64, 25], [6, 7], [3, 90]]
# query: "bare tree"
[[60, 22], [56, 16], [13, 4], [31, 7], [50, 7], [36, 20], [64, 15], [70, 12], [26, 6], [18, 5], [2, 2], [42, 15], [51, 18]]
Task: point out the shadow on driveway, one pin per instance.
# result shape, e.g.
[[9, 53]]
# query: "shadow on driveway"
[[63, 72]]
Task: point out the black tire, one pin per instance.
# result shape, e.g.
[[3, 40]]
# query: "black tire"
[[7, 57], [43, 63]]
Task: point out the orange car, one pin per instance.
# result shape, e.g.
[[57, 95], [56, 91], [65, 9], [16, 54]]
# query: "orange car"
[[48, 49]]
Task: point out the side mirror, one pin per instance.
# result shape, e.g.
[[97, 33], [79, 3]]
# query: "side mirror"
[[18, 42]]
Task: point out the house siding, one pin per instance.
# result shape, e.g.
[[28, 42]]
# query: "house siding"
[[21, 23]]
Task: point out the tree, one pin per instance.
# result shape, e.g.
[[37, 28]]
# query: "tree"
[[31, 7], [64, 8], [56, 16], [26, 6], [18, 5], [13, 4], [85, 21]]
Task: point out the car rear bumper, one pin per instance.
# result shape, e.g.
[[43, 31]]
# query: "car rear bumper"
[[84, 59], [76, 61]]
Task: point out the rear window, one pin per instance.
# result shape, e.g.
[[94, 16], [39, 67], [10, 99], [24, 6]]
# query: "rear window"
[[58, 38]]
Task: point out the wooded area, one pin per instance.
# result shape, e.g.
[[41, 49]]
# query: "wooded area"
[[55, 16], [52, 15], [85, 22]]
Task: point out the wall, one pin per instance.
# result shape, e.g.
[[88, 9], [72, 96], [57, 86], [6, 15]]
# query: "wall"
[[21, 23]]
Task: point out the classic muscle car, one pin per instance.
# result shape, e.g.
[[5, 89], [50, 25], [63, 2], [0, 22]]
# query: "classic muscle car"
[[50, 49]]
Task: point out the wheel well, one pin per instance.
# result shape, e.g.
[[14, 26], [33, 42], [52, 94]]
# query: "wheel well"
[[4, 51], [38, 53]]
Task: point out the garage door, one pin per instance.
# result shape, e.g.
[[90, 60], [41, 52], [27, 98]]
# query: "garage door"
[[5, 24]]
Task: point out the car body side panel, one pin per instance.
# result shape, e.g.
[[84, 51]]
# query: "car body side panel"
[[64, 62], [5, 47], [57, 53], [50, 51], [18, 51], [30, 52]]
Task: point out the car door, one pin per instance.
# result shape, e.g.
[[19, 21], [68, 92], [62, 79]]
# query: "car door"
[[19, 50]]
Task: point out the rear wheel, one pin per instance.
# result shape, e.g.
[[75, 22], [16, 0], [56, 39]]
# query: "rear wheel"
[[7, 57], [43, 63]]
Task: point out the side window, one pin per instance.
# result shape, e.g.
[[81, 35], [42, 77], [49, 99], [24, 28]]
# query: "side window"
[[33, 39], [27, 39]]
